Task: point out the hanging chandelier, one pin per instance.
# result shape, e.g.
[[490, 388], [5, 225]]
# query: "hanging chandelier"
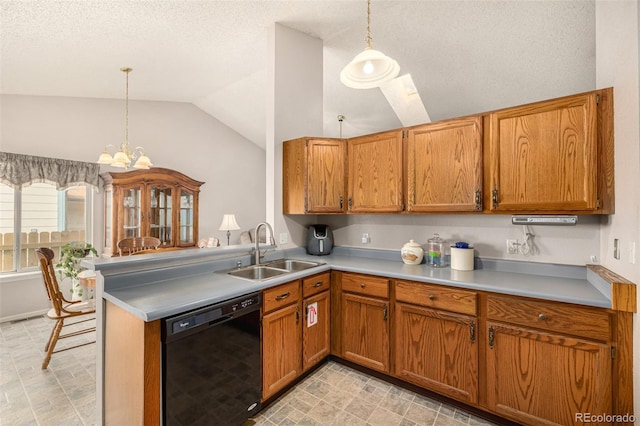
[[370, 68], [125, 156]]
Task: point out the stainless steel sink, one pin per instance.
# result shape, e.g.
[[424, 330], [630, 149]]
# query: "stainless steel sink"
[[272, 269], [293, 264], [257, 272]]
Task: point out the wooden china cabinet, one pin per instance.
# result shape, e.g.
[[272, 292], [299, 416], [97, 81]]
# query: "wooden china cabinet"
[[158, 202]]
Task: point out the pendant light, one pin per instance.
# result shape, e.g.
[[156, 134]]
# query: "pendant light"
[[124, 157], [371, 68]]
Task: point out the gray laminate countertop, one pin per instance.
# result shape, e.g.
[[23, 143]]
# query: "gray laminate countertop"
[[165, 294]]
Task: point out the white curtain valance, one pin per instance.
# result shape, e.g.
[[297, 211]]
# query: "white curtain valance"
[[19, 171]]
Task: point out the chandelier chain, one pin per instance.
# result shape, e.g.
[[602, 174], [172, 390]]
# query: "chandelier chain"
[[368, 37]]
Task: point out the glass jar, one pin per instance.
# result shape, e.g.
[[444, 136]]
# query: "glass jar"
[[436, 251]]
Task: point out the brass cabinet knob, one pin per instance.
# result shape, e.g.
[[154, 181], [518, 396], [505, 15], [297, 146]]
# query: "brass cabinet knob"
[[543, 317], [431, 297]]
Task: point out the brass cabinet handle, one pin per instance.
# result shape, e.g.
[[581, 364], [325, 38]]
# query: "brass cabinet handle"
[[491, 337], [385, 312], [341, 202], [543, 317], [494, 198], [472, 331], [350, 202], [283, 296], [478, 200], [318, 284], [297, 314]]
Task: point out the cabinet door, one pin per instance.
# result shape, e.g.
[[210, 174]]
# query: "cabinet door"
[[160, 212], [444, 166], [281, 349], [130, 206], [544, 156], [375, 173], [315, 330], [187, 218], [326, 183], [437, 350], [365, 331], [541, 378]]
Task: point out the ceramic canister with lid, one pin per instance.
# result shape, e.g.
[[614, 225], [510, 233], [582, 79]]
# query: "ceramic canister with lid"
[[412, 253], [436, 251], [462, 256]]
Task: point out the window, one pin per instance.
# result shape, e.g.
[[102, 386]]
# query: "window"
[[42, 216]]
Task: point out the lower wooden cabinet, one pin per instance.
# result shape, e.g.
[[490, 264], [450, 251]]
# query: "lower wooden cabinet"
[[293, 340], [316, 337], [365, 321], [536, 377], [437, 350], [281, 338]]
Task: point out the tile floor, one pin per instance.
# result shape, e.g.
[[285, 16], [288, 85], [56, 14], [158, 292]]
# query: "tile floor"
[[64, 394]]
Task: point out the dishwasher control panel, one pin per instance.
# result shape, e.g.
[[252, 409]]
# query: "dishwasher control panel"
[[211, 315]]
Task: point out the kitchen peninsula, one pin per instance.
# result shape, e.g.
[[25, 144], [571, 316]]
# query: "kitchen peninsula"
[[572, 313]]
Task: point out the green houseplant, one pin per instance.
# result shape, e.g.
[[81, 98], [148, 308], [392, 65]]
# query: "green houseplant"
[[69, 263]]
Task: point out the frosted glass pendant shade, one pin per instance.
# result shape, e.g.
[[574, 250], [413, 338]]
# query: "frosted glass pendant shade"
[[371, 68]]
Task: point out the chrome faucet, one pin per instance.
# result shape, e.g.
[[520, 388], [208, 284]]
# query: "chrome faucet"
[[257, 237]]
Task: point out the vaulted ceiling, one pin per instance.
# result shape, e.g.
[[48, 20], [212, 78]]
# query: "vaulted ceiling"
[[464, 56]]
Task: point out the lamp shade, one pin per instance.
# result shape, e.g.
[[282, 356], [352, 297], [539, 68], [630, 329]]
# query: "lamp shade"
[[229, 223], [143, 162], [369, 69]]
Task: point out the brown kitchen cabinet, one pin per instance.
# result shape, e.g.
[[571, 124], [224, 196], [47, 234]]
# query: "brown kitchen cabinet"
[[365, 318], [281, 337], [158, 202], [314, 176], [443, 166], [316, 338], [436, 339], [375, 173], [547, 361], [553, 156]]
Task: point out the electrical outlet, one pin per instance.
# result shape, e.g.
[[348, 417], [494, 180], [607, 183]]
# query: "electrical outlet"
[[284, 238], [365, 238], [512, 246]]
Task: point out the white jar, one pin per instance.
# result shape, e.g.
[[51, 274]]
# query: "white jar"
[[412, 253]]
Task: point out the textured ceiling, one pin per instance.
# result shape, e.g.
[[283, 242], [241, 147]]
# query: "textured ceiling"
[[464, 56]]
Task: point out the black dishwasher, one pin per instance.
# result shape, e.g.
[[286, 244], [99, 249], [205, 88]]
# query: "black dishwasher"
[[211, 364]]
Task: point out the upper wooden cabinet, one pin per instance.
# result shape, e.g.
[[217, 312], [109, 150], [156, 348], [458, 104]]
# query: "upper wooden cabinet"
[[552, 156], [158, 202], [314, 177], [375, 173], [443, 166]]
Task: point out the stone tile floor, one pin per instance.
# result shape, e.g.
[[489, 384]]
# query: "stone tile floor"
[[64, 394]]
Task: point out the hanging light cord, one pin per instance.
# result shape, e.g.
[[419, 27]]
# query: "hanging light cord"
[[368, 37]]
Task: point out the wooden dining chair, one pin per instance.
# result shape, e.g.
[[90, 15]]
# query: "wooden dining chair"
[[62, 309], [135, 244]]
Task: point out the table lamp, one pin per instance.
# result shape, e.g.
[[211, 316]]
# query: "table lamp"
[[229, 224]]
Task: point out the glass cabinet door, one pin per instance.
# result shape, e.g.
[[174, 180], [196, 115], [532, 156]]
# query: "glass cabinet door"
[[131, 212], [161, 214], [186, 218]]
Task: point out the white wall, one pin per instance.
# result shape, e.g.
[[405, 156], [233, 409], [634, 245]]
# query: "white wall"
[[177, 136], [617, 65]]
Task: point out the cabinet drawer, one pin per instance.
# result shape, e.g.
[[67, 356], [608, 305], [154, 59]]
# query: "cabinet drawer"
[[586, 322], [316, 284], [366, 285], [281, 295], [438, 297]]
